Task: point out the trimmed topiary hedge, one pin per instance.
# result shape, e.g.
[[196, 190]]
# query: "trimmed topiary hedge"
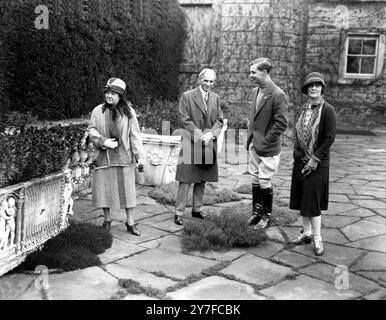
[[33, 151], [60, 72]]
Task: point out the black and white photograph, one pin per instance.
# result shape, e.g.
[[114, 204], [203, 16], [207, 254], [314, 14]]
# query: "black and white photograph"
[[197, 158]]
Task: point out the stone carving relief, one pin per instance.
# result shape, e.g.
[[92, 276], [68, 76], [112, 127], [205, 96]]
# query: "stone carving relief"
[[173, 159], [8, 211], [68, 188], [155, 157]]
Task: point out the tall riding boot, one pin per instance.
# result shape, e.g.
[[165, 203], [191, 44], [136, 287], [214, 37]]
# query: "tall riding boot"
[[267, 195], [257, 205]]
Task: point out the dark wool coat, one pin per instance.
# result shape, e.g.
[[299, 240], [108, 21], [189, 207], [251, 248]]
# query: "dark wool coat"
[[326, 137], [310, 194], [268, 121], [194, 122]]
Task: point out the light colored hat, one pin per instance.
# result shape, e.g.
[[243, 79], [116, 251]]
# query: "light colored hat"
[[312, 78], [116, 85]]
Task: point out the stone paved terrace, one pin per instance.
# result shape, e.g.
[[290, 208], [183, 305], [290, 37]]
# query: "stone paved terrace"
[[354, 230]]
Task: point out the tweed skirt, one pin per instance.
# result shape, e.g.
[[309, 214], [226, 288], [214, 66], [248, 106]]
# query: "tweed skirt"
[[309, 194], [114, 187]]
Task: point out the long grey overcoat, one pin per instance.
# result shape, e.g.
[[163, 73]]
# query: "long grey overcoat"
[[195, 122]]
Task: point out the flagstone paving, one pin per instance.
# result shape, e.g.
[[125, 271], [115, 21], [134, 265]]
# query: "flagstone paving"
[[354, 232], [216, 288]]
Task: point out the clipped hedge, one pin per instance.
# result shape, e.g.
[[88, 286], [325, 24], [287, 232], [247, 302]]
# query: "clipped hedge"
[[32, 152], [61, 72], [161, 111]]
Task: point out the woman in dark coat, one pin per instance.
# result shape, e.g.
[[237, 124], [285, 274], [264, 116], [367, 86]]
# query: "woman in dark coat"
[[115, 132], [314, 134]]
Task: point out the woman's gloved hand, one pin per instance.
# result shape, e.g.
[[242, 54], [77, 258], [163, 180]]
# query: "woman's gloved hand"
[[141, 165], [309, 167], [111, 143]]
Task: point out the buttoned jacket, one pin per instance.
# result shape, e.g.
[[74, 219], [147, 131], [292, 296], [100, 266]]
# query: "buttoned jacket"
[[268, 121]]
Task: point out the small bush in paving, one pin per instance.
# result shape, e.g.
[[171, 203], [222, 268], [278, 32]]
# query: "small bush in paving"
[[134, 287], [75, 248], [282, 216], [229, 229], [167, 194], [219, 232]]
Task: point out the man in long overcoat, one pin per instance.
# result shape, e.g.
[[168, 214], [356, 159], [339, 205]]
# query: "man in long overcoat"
[[201, 118], [268, 121]]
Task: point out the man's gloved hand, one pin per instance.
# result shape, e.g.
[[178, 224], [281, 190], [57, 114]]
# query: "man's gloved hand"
[[206, 137]]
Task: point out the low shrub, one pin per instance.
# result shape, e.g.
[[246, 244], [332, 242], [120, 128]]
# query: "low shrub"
[[134, 287], [229, 229], [282, 216], [167, 194], [75, 248]]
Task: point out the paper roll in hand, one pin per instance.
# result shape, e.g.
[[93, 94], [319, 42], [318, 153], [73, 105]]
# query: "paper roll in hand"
[[220, 138]]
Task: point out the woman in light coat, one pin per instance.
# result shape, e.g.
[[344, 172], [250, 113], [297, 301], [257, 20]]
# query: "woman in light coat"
[[115, 133]]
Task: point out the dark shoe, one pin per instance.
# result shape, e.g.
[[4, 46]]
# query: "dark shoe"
[[263, 223], [178, 220], [132, 229], [302, 238], [198, 214], [106, 225], [318, 247], [267, 199], [253, 219]]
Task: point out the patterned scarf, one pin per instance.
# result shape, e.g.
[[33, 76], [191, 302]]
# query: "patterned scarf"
[[307, 133]]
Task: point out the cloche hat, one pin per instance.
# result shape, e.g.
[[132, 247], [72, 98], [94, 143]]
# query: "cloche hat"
[[311, 78], [115, 85]]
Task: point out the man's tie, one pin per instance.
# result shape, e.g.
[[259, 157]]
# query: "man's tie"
[[206, 100], [258, 99]]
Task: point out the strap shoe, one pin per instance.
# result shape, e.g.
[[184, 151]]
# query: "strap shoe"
[[302, 238], [178, 220], [318, 246], [106, 225], [132, 229]]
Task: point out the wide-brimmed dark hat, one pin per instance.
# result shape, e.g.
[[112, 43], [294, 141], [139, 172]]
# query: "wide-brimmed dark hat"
[[312, 78]]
